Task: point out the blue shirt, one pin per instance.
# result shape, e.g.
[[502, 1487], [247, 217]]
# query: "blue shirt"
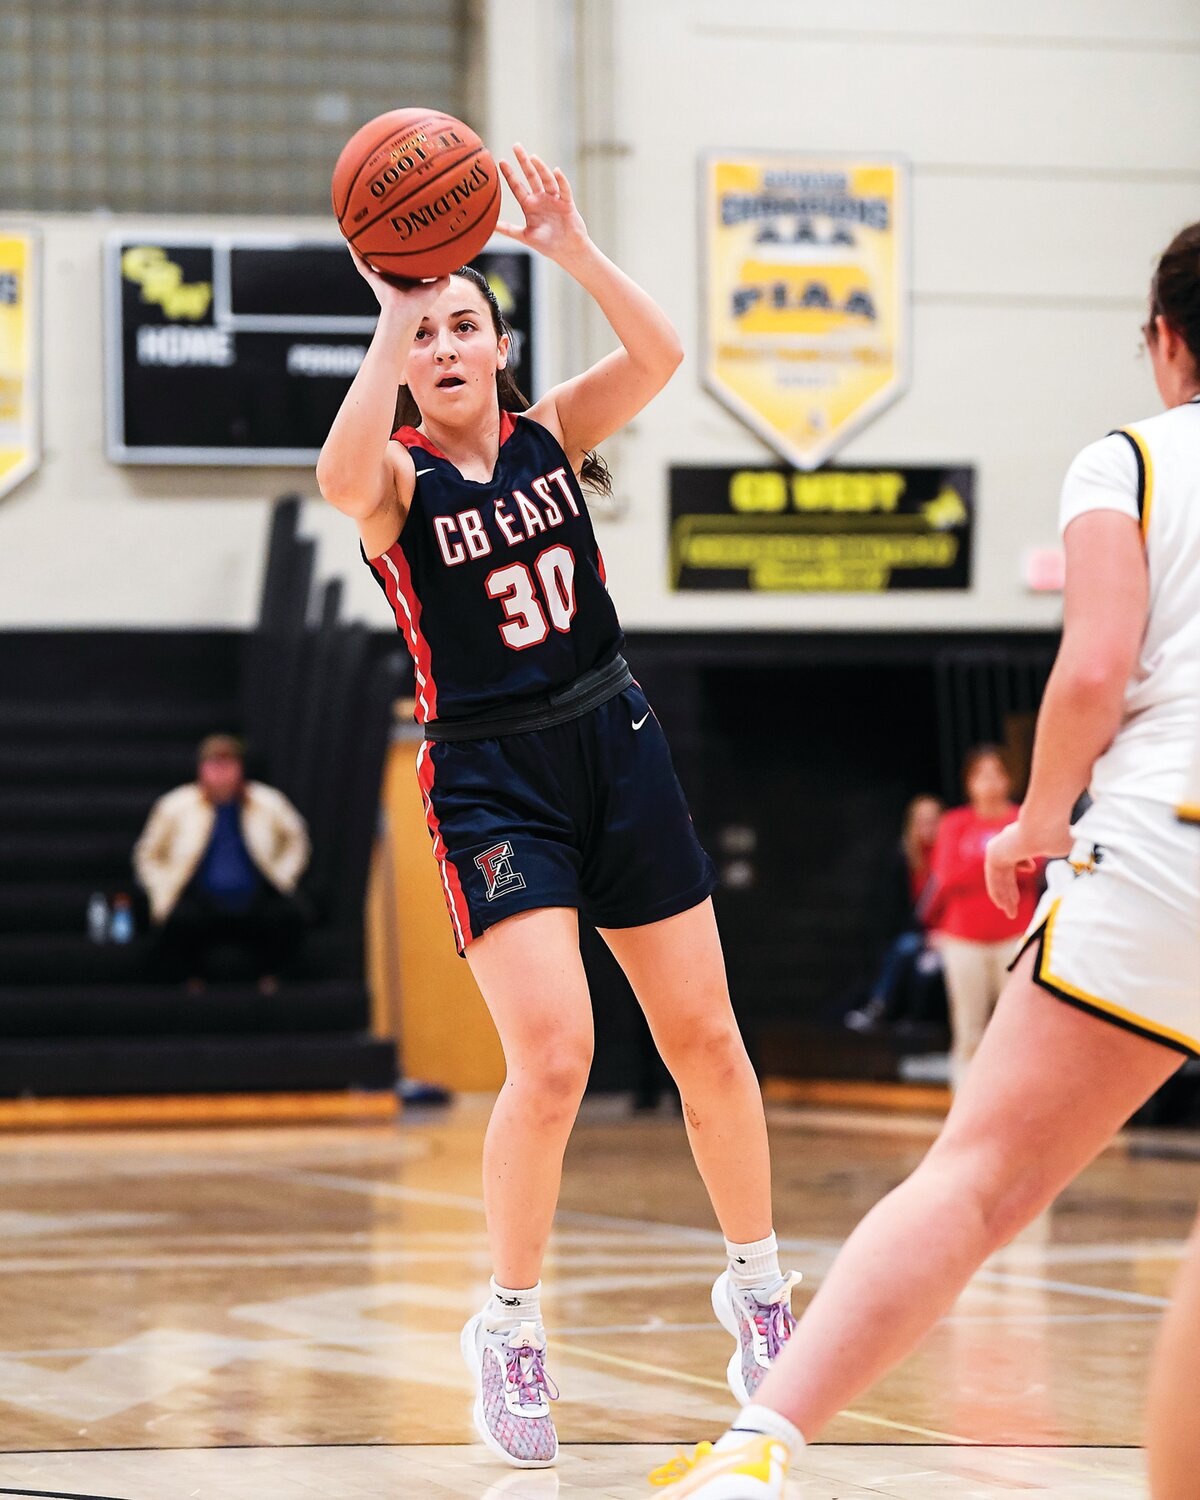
[[227, 875]]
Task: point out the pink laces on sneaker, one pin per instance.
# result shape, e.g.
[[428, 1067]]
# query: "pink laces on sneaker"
[[775, 1324], [526, 1374]]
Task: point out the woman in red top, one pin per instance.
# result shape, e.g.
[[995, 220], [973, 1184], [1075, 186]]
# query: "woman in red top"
[[975, 937]]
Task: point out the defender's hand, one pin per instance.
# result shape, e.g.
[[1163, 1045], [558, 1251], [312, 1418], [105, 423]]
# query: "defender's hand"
[[1015, 851]]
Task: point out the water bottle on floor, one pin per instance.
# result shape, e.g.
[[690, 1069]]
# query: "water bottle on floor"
[[120, 928], [97, 917]]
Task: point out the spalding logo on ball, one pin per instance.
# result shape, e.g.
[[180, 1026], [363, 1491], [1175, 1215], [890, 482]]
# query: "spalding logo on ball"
[[416, 192]]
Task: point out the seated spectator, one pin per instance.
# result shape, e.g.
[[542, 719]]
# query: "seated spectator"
[[219, 859], [977, 941], [908, 970]]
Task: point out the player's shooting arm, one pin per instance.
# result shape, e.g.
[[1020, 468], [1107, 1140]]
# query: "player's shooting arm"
[[359, 471], [584, 411]]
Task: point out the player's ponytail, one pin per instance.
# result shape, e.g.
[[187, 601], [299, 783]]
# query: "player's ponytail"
[[593, 473], [1175, 290]]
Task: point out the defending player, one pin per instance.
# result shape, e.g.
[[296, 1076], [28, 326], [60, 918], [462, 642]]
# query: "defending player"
[[548, 784], [1104, 1001]]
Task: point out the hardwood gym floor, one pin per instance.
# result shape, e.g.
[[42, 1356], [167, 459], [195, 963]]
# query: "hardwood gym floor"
[[275, 1312]]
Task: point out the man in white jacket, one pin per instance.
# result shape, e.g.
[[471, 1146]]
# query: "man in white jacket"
[[219, 859]]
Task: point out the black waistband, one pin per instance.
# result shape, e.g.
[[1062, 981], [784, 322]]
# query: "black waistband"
[[587, 692]]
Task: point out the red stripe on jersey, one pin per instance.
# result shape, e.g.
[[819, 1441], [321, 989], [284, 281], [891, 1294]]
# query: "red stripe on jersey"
[[411, 438], [456, 902], [600, 566], [392, 567]]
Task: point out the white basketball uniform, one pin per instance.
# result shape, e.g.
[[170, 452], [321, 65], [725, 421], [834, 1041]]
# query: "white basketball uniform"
[[1118, 929]]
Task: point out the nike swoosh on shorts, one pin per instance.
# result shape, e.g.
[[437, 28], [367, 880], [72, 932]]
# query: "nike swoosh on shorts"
[[637, 723]]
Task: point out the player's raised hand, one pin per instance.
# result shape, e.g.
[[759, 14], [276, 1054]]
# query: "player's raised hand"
[[553, 225]]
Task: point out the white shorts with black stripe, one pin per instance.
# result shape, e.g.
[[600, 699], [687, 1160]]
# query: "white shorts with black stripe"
[[1117, 932]]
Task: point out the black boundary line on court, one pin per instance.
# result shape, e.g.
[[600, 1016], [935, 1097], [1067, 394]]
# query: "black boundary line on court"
[[55, 1495]]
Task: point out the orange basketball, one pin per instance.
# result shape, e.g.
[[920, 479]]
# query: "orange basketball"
[[416, 192]]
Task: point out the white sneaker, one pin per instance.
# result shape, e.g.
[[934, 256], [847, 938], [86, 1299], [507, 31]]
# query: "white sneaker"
[[752, 1469], [761, 1329], [513, 1391]]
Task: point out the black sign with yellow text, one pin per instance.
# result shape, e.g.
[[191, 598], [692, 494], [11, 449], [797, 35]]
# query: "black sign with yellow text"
[[832, 531]]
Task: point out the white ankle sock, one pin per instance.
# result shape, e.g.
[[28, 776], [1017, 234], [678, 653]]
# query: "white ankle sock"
[[755, 1264], [769, 1423], [506, 1306]]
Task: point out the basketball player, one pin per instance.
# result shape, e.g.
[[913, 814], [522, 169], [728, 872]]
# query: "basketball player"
[[1104, 999], [548, 785]]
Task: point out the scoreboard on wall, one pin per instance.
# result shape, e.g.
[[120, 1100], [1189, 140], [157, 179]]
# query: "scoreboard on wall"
[[238, 349]]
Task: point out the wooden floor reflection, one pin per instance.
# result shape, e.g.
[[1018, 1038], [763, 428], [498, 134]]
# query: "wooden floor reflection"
[[302, 1290]]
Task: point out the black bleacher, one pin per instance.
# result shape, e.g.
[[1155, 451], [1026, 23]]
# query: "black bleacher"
[[93, 727]]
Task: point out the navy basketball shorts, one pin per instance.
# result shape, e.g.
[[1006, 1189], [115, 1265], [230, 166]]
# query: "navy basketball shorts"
[[588, 814]]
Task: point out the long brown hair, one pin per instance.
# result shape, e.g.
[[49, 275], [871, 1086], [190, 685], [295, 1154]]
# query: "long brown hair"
[[593, 472]]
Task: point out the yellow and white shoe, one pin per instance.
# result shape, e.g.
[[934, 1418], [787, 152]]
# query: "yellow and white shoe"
[[743, 1466]]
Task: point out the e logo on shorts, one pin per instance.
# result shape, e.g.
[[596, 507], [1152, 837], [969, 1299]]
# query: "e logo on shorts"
[[497, 869]]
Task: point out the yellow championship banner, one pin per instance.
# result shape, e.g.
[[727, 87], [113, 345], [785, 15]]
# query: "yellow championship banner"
[[19, 394], [806, 295]]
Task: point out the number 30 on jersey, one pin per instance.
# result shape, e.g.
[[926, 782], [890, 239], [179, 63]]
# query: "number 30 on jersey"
[[528, 602]]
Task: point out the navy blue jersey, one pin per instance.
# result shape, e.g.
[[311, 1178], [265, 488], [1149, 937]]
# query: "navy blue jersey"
[[498, 586]]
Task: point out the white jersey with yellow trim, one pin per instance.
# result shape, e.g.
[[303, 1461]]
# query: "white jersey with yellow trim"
[[1150, 471]]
